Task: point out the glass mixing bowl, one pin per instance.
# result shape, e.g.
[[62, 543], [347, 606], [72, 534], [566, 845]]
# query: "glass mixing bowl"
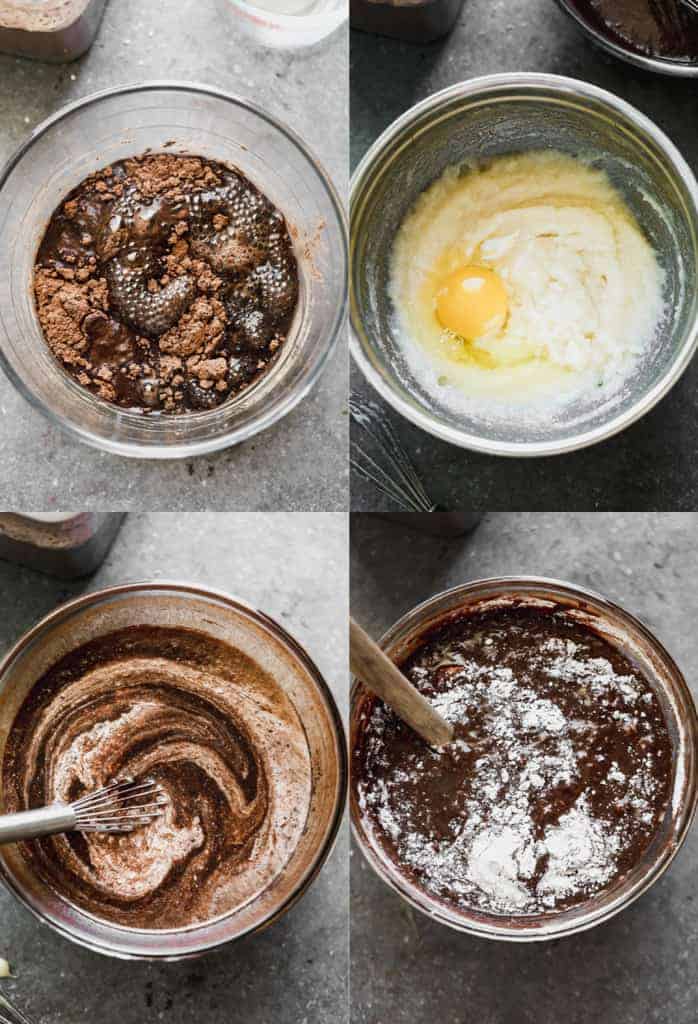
[[255, 634], [274, 24], [509, 113], [175, 117], [636, 642]]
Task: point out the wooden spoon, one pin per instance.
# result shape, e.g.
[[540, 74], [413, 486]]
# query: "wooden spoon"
[[375, 669]]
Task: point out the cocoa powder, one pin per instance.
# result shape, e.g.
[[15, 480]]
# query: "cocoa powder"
[[166, 283]]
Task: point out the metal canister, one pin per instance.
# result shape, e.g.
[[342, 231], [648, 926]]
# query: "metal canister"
[[415, 21], [67, 545], [52, 30]]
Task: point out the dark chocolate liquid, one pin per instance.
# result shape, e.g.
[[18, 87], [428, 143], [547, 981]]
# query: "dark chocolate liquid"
[[654, 28]]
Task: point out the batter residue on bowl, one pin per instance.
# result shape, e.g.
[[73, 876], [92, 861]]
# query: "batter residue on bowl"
[[557, 779], [216, 731], [524, 282], [166, 283]]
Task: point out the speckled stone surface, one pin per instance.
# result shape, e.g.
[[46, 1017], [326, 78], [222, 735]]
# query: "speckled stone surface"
[[650, 466], [296, 971], [638, 968], [286, 466]]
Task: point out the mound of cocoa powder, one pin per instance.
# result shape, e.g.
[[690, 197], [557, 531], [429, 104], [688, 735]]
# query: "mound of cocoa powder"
[[166, 283]]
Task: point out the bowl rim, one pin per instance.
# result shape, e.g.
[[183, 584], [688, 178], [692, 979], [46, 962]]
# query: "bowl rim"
[[662, 65], [557, 85], [67, 609], [292, 22], [430, 908], [186, 449]]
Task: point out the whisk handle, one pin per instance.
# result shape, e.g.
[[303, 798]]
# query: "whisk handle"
[[44, 821], [15, 1016]]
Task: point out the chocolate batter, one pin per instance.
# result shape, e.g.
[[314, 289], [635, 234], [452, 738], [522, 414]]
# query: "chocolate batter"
[[211, 726], [166, 283], [652, 28], [555, 783]]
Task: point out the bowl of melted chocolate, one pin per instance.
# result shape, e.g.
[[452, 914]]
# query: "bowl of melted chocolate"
[[174, 269], [571, 781], [659, 35], [232, 718]]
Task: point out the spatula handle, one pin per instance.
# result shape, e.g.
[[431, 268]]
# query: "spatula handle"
[[375, 669]]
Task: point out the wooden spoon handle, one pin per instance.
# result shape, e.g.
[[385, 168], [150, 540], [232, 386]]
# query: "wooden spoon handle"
[[375, 669]]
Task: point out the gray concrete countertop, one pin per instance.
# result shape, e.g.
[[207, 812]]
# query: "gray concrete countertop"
[[296, 970], [651, 465], [638, 968], [286, 466]]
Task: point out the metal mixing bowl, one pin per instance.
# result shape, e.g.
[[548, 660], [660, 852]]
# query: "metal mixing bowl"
[[643, 649], [482, 118], [172, 117], [231, 620], [664, 65]]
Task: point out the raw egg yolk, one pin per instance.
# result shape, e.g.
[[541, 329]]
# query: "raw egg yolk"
[[472, 302]]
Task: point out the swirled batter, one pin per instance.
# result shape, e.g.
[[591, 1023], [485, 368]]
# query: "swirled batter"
[[524, 282], [555, 783], [215, 730], [166, 283]]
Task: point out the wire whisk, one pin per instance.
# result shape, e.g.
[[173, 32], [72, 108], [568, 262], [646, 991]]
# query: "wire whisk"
[[122, 806], [10, 1014], [399, 481]]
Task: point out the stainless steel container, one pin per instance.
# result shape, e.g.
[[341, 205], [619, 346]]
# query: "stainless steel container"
[[627, 634], [52, 30], [60, 544], [478, 120], [228, 619]]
